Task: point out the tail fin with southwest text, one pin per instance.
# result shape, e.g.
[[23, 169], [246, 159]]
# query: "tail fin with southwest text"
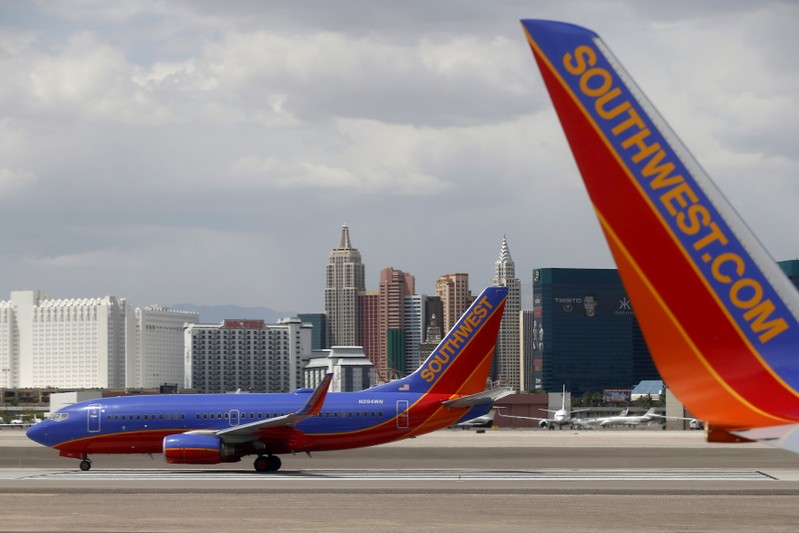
[[719, 316], [461, 362]]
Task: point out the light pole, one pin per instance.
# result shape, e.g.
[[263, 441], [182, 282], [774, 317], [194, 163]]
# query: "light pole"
[[5, 386]]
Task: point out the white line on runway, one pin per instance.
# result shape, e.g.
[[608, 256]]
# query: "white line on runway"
[[409, 475]]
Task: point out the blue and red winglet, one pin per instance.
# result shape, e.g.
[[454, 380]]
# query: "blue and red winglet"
[[718, 315]]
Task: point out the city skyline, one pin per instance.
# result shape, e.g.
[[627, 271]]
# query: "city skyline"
[[195, 152]]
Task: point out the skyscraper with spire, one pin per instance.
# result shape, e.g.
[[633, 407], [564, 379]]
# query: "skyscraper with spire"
[[507, 358], [344, 280]]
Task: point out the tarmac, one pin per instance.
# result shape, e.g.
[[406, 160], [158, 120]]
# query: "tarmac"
[[451, 480]]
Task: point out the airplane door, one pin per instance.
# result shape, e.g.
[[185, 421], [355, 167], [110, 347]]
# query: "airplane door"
[[402, 414], [234, 416], [94, 418]]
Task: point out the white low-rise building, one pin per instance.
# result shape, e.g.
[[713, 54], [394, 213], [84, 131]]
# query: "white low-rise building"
[[352, 370]]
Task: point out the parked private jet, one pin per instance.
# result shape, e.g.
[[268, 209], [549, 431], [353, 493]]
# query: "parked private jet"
[[561, 417], [625, 419]]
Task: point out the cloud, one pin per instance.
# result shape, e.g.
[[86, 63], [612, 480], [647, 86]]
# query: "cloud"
[[15, 180], [154, 148]]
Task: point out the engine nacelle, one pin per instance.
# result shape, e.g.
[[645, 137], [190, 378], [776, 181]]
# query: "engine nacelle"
[[192, 449], [544, 424]]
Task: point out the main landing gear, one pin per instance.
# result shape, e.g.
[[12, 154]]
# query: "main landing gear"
[[85, 464], [268, 463]]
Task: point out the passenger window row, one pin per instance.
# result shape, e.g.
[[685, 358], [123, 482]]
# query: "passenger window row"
[[242, 416]]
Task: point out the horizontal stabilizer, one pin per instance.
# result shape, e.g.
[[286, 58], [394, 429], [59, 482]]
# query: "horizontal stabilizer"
[[785, 436], [480, 398]]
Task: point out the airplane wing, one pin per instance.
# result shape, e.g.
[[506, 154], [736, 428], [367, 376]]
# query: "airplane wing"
[[480, 398], [525, 417], [584, 422], [249, 431]]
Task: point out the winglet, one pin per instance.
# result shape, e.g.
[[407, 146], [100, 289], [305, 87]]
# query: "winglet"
[[311, 408], [314, 404]]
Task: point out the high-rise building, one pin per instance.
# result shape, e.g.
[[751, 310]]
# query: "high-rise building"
[[453, 289], [433, 329], [70, 343], [507, 357], [395, 285], [369, 328], [154, 353], [319, 332], [89, 343], [588, 336], [246, 355], [344, 280], [415, 325], [527, 344]]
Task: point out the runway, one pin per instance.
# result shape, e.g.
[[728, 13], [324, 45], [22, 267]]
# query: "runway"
[[449, 481]]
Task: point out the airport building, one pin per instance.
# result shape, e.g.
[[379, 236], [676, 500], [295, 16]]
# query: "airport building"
[[246, 355], [588, 337]]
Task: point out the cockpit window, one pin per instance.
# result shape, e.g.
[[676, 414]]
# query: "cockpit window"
[[59, 417]]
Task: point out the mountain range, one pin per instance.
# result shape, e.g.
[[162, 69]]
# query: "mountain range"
[[215, 314]]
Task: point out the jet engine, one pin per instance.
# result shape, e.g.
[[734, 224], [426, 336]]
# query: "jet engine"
[[193, 449], [544, 424]]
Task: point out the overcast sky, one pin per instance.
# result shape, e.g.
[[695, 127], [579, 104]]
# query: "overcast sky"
[[209, 152]]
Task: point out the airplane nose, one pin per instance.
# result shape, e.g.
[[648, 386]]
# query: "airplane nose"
[[38, 432]]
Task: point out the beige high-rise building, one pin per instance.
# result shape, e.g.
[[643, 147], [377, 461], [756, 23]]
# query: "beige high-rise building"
[[507, 357], [453, 289], [344, 280]]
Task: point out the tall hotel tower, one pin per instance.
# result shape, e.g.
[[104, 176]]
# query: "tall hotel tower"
[[344, 279], [507, 358], [453, 289], [395, 286]]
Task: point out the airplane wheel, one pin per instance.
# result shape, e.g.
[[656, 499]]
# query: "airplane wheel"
[[261, 464], [85, 465], [273, 463]]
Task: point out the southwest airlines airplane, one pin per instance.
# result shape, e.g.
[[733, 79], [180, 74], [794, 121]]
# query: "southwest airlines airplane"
[[719, 316], [222, 428]]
